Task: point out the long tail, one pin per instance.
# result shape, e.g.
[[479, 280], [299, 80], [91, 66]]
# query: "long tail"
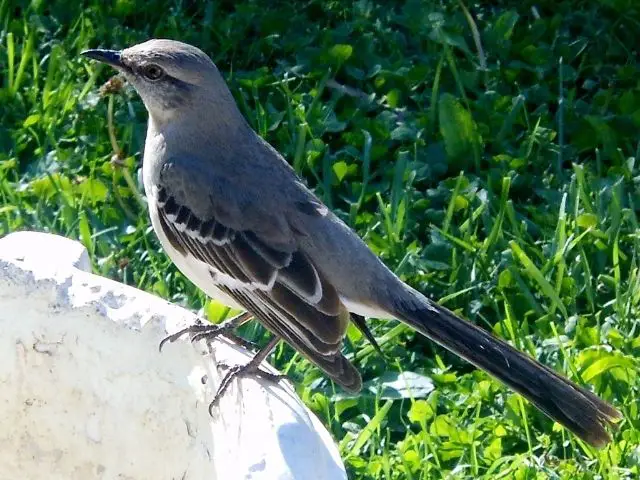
[[565, 402]]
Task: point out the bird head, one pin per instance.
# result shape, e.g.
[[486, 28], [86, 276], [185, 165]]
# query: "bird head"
[[170, 77]]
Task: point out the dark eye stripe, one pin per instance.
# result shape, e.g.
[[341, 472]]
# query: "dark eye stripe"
[[178, 84]]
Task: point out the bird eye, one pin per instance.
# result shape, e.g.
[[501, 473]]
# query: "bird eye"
[[152, 72]]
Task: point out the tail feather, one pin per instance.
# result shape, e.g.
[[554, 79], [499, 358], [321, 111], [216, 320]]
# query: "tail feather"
[[576, 408]]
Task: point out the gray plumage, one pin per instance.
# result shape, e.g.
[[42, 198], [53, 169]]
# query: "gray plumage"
[[238, 222]]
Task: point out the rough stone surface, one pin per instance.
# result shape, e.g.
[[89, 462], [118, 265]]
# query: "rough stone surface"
[[86, 394]]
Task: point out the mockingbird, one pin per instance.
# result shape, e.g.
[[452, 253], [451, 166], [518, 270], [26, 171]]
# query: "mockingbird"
[[237, 221]]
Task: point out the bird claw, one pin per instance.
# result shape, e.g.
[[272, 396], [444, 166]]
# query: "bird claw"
[[198, 332], [239, 371], [208, 331]]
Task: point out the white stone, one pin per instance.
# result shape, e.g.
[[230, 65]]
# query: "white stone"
[[85, 393]]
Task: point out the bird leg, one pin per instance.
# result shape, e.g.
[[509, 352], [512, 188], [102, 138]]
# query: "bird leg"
[[210, 331], [249, 369]]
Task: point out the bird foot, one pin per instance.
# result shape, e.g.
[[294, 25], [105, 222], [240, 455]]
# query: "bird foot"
[[198, 332], [201, 331], [250, 369]]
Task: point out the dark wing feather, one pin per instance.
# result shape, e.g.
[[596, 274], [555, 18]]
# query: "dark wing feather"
[[282, 288], [283, 324], [259, 269], [361, 324]]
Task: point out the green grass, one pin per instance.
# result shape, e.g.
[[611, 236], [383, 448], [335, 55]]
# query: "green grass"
[[488, 152]]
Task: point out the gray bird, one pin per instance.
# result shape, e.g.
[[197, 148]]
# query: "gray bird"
[[237, 221]]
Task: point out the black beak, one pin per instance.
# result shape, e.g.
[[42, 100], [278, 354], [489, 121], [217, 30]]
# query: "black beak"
[[110, 57]]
